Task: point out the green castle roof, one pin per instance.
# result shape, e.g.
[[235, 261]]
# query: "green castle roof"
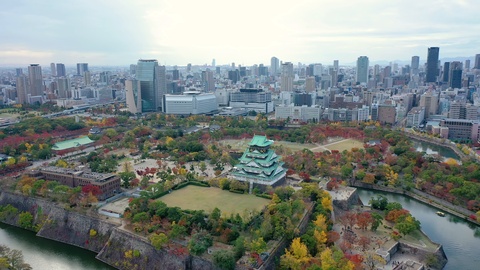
[[260, 141]]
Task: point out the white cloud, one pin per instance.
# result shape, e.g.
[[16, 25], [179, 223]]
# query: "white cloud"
[[245, 32]]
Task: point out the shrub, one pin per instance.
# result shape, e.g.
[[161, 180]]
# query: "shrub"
[[237, 191], [93, 233]]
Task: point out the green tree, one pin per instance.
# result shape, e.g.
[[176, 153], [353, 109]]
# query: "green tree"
[[158, 240], [199, 243], [126, 177], [224, 259], [25, 220]]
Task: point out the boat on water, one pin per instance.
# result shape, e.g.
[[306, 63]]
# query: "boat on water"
[[440, 213]]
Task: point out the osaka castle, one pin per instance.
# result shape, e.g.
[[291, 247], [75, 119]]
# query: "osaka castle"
[[259, 165]]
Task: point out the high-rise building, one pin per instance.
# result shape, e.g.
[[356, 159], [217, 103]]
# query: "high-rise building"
[[81, 68], [61, 72], [208, 80], [87, 78], [35, 80], [18, 71], [287, 77], [477, 61], [146, 92], [22, 89], [274, 66], [467, 64], [362, 69], [335, 65], [446, 71], [432, 64], [455, 77], [429, 101], [53, 69], [64, 90], [415, 65]]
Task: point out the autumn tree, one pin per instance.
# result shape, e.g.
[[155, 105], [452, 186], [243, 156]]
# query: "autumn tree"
[[364, 219], [158, 240], [296, 257]]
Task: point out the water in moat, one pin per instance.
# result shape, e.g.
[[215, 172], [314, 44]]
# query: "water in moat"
[[459, 238], [44, 254], [432, 149]]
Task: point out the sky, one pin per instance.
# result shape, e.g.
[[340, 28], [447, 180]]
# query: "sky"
[[247, 32]]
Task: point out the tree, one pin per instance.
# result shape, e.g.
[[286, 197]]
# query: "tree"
[[127, 177], [25, 220], [224, 259], [371, 261], [364, 242], [95, 190], [321, 222], [12, 259], [364, 219], [199, 243], [377, 220], [158, 240], [258, 245], [296, 256]]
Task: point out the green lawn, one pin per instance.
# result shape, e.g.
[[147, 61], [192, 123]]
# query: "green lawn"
[[345, 145], [207, 198]]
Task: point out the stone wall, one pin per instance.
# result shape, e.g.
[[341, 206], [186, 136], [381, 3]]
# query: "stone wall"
[[116, 247], [422, 255]]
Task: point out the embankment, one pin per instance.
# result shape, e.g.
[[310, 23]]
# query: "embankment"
[[114, 246]]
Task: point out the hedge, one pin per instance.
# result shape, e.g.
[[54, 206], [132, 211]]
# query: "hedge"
[[237, 191], [265, 196]]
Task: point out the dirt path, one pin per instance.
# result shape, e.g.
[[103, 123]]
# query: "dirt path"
[[328, 144]]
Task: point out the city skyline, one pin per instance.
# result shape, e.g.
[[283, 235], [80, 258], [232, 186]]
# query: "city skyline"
[[181, 32]]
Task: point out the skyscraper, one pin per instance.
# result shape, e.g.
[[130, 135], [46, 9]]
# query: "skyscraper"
[[362, 69], [415, 65], [432, 64], [146, 92], [22, 89], [274, 66], [61, 72], [35, 80], [81, 68], [455, 75], [287, 77], [53, 69], [477, 61], [446, 71], [335, 65]]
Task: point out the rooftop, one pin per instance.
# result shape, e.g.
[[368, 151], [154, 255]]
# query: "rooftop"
[[261, 141], [72, 143]]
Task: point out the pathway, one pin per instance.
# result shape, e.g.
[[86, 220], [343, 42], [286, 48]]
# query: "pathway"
[[325, 145]]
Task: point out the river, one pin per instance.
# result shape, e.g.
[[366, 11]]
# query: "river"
[[45, 254], [459, 238]]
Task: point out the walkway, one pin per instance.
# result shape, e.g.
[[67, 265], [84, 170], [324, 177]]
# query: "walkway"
[[324, 145]]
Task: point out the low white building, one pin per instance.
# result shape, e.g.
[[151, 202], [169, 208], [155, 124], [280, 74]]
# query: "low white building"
[[298, 113], [415, 117], [191, 102]]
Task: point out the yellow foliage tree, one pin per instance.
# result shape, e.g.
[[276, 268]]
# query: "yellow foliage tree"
[[10, 161], [61, 163], [327, 203], [296, 257], [93, 233], [331, 262], [391, 176], [168, 140], [321, 222], [321, 239], [22, 159], [451, 162]]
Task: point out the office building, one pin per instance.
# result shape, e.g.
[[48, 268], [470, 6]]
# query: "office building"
[[191, 102], [287, 77], [153, 86], [61, 72], [387, 114], [81, 68], [446, 72], [467, 65], [252, 100], [274, 66], [477, 61], [455, 76], [22, 89], [208, 81], [53, 69], [35, 80], [430, 102], [415, 117], [415, 65], [462, 110], [362, 70], [432, 64], [461, 130], [298, 113]]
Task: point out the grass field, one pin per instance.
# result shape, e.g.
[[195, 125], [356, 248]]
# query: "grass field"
[[204, 198], [241, 144], [345, 145]]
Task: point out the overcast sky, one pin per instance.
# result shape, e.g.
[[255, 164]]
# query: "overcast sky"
[[177, 32]]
